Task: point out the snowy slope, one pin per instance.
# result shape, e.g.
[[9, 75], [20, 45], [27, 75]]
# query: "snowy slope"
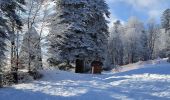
[[145, 81]]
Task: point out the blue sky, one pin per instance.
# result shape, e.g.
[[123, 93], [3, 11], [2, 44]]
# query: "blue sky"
[[142, 9]]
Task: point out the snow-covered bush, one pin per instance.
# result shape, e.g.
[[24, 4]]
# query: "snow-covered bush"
[[24, 77], [28, 76], [53, 62], [35, 74], [7, 78], [163, 53], [107, 68], [65, 66]]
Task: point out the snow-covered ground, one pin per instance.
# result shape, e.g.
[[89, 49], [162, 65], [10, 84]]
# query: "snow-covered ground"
[[140, 81]]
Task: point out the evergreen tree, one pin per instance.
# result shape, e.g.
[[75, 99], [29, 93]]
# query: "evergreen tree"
[[166, 26], [67, 36], [115, 44], [78, 30], [144, 52], [98, 28]]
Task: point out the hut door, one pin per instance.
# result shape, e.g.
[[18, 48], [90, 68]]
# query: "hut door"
[[79, 66]]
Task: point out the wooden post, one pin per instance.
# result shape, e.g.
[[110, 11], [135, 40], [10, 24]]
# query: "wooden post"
[[92, 70]]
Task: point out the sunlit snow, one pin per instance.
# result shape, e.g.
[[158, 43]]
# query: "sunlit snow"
[[144, 81]]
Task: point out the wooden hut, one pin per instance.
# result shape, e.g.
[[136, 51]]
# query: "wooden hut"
[[79, 66], [96, 67]]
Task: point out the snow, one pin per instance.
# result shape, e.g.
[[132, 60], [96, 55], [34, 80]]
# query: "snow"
[[144, 81]]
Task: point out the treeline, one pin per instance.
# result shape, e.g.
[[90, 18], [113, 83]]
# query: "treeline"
[[135, 41]]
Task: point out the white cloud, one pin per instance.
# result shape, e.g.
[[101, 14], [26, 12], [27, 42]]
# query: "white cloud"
[[155, 13], [144, 4], [153, 8]]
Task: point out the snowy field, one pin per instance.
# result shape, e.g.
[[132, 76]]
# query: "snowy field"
[[141, 81]]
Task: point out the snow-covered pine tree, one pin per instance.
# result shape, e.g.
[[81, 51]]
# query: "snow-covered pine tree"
[[144, 52], [115, 44], [78, 29], [30, 54], [166, 25], [97, 27], [67, 35]]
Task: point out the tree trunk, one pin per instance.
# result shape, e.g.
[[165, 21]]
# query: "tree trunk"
[[14, 69], [17, 51], [29, 54]]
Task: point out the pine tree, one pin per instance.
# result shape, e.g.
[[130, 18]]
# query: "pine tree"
[[98, 29], [166, 25], [78, 30], [30, 54], [115, 44], [67, 37], [144, 52]]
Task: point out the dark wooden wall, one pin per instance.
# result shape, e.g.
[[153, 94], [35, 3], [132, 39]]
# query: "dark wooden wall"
[[79, 66]]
